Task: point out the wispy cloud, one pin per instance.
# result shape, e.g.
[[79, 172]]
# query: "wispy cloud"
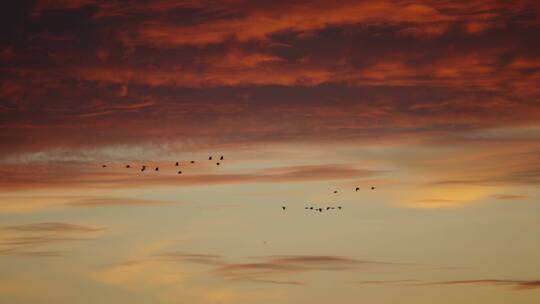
[[27, 240]]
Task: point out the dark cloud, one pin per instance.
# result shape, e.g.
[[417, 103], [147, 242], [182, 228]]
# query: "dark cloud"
[[85, 74]]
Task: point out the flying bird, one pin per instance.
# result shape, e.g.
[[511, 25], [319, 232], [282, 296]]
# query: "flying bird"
[[177, 164], [143, 168], [221, 158], [179, 172], [327, 208], [339, 207], [357, 188], [103, 166], [311, 208], [217, 163], [128, 166], [320, 209], [157, 169], [192, 161], [210, 158], [372, 188], [283, 207], [335, 191]]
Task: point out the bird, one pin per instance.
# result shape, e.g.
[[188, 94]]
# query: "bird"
[[320, 209], [192, 161], [217, 163], [335, 191], [103, 166], [311, 208], [157, 169], [128, 166], [143, 168], [179, 172], [210, 158], [177, 164], [327, 208], [339, 207], [306, 208], [372, 188], [221, 158], [283, 207], [357, 188]]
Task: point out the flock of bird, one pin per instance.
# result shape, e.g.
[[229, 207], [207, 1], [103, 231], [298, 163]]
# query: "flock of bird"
[[320, 209], [177, 164]]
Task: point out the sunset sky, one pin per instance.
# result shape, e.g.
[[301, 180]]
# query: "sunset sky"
[[436, 104]]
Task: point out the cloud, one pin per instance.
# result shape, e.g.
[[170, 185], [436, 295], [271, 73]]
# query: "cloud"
[[115, 202], [516, 284], [40, 176], [279, 266], [511, 197], [27, 240], [53, 227]]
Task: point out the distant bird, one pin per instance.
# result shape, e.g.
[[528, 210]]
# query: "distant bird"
[[177, 164], [372, 188], [103, 166], [311, 208], [192, 161], [335, 191], [210, 158], [320, 209], [357, 188], [128, 166], [306, 208], [143, 168], [157, 169], [217, 163], [179, 172], [327, 208], [283, 207], [339, 207], [221, 158]]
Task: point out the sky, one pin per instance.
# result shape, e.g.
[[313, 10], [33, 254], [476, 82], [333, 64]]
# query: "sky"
[[436, 104]]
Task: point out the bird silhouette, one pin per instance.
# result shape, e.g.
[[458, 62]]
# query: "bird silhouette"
[[217, 163], [192, 161], [221, 158], [320, 209], [372, 188], [357, 188], [143, 168], [210, 158], [284, 207], [128, 166], [103, 166], [177, 164], [327, 208], [335, 191], [311, 208], [339, 207], [157, 169], [179, 172]]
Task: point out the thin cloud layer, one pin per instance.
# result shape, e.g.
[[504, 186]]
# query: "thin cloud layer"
[[29, 240]]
